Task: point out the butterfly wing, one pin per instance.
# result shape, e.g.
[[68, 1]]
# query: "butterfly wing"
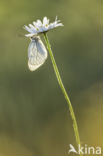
[[37, 54]]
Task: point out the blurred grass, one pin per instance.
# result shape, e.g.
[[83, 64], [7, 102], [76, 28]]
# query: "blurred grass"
[[34, 119]]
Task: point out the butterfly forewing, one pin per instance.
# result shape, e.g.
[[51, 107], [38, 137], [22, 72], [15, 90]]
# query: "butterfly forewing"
[[37, 54]]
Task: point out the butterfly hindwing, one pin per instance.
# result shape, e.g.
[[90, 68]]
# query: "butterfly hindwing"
[[37, 54]]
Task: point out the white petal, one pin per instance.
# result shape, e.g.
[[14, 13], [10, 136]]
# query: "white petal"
[[36, 26], [45, 21], [30, 35], [27, 28], [54, 25], [39, 23], [32, 28], [59, 24], [56, 18], [51, 26]]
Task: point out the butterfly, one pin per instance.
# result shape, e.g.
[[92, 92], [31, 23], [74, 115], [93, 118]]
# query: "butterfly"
[[37, 53]]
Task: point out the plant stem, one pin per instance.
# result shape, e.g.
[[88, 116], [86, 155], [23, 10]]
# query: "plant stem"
[[64, 91]]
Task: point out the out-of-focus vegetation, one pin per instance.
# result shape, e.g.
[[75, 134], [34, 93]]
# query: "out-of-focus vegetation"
[[34, 117]]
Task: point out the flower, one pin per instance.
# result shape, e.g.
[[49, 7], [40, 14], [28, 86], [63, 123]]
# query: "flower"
[[39, 27]]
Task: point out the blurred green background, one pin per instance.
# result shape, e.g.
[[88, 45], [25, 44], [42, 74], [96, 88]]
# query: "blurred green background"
[[34, 117]]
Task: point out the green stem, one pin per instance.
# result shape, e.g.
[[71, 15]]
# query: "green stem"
[[64, 91]]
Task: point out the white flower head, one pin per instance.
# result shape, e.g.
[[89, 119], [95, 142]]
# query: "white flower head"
[[39, 27]]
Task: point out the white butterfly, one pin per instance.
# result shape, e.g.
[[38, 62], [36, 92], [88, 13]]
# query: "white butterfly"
[[37, 53]]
